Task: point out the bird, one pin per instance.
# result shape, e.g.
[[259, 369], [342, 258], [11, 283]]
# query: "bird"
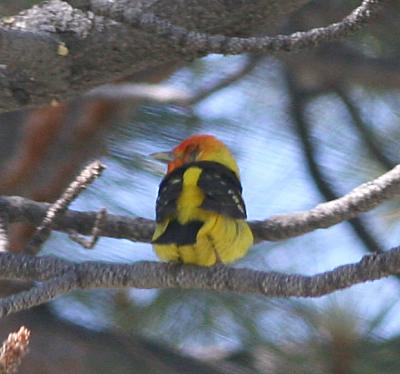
[[200, 212]]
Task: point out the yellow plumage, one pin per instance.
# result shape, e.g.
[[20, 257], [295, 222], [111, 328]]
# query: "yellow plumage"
[[221, 238]]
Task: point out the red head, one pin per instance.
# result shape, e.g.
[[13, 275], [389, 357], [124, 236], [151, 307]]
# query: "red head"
[[198, 148]]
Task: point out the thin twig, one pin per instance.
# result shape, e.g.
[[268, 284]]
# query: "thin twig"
[[95, 234], [159, 93], [89, 275], [206, 43], [3, 233], [206, 91], [81, 182], [164, 94]]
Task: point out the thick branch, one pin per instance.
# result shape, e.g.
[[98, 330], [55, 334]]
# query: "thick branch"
[[61, 276], [206, 43], [38, 294], [54, 51], [361, 199], [20, 209]]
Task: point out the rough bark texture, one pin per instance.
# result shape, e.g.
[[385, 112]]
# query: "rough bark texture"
[[58, 277], [56, 52], [362, 199]]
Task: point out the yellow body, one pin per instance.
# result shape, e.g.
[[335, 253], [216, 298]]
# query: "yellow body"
[[221, 238]]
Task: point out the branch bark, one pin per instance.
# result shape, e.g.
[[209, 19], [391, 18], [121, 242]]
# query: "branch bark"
[[3, 233], [60, 276], [57, 52], [207, 43], [81, 182], [362, 199]]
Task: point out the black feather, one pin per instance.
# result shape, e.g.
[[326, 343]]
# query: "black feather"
[[221, 187], [168, 193], [179, 234]]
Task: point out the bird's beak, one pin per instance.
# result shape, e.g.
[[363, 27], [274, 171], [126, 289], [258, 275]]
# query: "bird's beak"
[[165, 157]]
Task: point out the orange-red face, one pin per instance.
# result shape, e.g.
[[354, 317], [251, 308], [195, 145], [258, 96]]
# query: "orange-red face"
[[191, 149]]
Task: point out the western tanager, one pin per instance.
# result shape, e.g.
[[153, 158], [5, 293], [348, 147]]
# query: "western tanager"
[[200, 212]]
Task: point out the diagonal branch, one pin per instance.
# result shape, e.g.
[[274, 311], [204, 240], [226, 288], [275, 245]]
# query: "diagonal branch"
[[89, 275], [298, 104], [206, 43], [82, 181], [38, 294], [206, 91], [362, 199], [166, 94], [155, 93], [363, 130]]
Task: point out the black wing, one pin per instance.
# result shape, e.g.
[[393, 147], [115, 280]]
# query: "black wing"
[[221, 186], [222, 189], [168, 193]]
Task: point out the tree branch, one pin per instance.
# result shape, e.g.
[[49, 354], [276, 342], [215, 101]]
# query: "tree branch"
[[156, 93], [62, 276], [361, 127], [38, 294], [81, 182], [165, 94], [3, 233], [54, 51], [362, 199], [298, 107], [206, 91], [207, 43]]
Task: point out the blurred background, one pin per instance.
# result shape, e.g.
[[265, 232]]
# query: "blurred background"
[[305, 128]]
